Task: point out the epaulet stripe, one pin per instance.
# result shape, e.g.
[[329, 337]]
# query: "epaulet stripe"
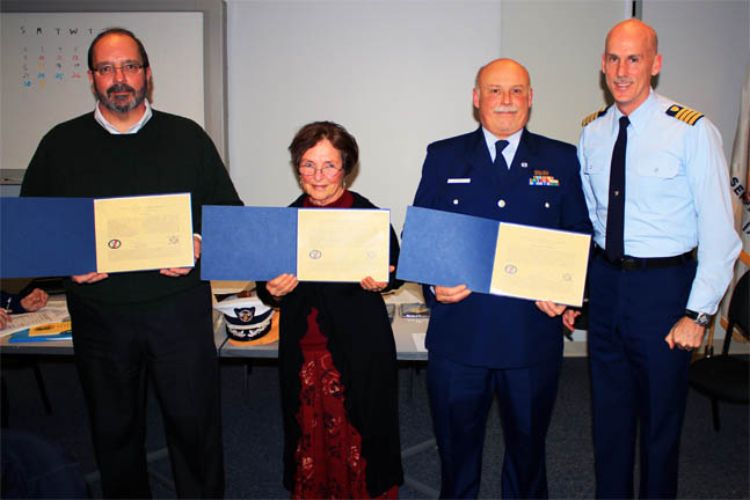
[[684, 114], [593, 116]]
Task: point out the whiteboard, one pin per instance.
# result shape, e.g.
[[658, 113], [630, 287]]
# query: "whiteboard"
[[397, 75], [44, 70]]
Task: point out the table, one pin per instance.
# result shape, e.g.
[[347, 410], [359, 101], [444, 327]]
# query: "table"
[[56, 348], [406, 332]]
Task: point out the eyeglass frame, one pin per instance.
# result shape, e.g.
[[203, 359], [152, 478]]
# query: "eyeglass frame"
[[322, 170], [128, 68]]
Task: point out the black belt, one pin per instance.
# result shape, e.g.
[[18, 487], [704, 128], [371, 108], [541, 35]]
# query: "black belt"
[[628, 263]]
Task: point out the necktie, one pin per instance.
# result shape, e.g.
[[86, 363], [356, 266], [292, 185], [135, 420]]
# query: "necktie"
[[499, 158], [616, 210]]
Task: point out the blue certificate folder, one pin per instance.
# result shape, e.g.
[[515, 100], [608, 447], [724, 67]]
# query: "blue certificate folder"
[[445, 248], [253, 243], [46, 237], [258, 243]]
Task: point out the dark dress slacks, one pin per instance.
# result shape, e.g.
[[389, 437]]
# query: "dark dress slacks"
[[639, 385], [460, 400], [118, 349]]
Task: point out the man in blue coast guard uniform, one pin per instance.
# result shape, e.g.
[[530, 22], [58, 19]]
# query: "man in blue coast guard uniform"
[[484, 345], [656, 185]]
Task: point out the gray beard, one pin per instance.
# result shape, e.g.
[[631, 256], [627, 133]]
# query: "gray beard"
[[122, 108]]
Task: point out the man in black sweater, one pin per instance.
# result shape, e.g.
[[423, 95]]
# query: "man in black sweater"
[[135, 326]]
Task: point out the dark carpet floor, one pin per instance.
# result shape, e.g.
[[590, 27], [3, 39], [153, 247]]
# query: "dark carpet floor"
[[712, 465]]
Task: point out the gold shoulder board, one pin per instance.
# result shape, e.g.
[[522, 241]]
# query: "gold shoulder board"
[[593, 116], [684, 114]]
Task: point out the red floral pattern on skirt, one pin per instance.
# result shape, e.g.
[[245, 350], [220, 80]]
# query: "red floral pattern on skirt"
[[329, 453]]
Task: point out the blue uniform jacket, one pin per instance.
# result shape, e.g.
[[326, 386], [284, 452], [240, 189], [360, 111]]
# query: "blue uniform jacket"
[[543, 189]]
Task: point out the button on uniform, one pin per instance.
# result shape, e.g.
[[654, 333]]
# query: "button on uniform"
[[501, 203]]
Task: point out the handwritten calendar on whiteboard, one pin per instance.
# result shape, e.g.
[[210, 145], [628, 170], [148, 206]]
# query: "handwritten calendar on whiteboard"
[[45, 71]]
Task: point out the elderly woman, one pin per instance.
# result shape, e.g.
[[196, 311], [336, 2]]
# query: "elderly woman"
[[337, 357]]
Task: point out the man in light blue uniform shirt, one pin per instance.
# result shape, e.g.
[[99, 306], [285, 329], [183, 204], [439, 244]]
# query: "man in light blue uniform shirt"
[[650, 301]]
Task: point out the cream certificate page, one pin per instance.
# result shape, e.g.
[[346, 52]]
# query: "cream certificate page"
[[342, 245], [540, 264], [143, 232]]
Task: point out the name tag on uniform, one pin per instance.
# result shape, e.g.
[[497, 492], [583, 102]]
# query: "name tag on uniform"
[[459, 180]]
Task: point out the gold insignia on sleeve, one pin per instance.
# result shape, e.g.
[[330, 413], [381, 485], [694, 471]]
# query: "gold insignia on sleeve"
[[593, 116], [684, 114]]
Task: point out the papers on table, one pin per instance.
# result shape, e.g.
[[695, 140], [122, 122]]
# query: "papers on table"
[[67, 236], [445, 248], [229, 287], [51, 323], [414, 310], [54, 312], [260, 243], [33, 336]]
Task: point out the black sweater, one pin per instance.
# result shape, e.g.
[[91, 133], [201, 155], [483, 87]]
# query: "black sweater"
[[361, 343], [170, 154]]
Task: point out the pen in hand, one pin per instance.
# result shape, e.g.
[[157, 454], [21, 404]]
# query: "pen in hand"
[[7, 305], [5, 316]]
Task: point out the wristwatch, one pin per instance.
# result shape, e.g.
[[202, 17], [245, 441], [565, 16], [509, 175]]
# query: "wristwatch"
[[700, 318]]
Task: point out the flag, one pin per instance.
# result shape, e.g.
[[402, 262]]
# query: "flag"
[[739, 182]]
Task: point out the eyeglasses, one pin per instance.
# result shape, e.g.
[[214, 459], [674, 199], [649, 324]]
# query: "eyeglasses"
[[329, 171], [111, 69]]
